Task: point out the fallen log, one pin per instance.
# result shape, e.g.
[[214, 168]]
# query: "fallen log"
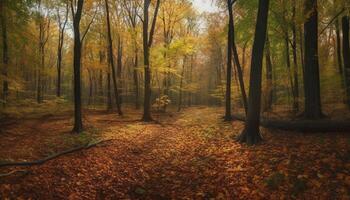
[[41, 161], [302, 125], [14, 172]]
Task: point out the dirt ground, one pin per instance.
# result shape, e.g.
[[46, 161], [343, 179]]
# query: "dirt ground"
[[186, 155]]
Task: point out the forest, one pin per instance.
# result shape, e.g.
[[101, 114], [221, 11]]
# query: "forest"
[[174, 99]]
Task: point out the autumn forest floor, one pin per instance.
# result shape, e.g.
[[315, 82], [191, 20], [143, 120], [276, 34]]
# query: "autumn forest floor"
[[186, 155]]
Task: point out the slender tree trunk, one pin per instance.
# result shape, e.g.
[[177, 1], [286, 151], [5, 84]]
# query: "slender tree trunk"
[[189, 103], [244, 56], [111, 60], [119, 69], [78, 124], [228, 115], [312, 74], [5, 56], [90, 88], [301, 46], [346, 56], [136, 79], [109, 95], [181, 83], [61, 29], [286, 40], [269, 86], [339, 54], [295, 61], [251, 134], [238, 65]]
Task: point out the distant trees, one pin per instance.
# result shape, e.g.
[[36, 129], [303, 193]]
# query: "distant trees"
[[251, 132]]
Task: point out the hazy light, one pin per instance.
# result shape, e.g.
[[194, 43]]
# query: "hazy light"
[[205, 5]]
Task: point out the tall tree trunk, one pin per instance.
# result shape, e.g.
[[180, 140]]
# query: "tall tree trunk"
[[269, 86], [119, 69], [147, 43], [111, 60], [109, 94], [5, 57], [346, 56], [251, 134], [61, 29], [136, 79], [90, 87], [78, 124], [286, 40], [238, 65], [181, 83], [312, 74], [338, 43], [189, 103], [295, 61], [301, 46], [228, 115]]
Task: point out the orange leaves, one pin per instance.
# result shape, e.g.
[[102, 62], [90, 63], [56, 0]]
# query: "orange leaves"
[[188, 156]]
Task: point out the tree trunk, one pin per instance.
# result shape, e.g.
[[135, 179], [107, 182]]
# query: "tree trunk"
[[311, 75], [5, 57], [269, 88], [230, 33], [338, 42], [61, 28], [238, 65], [109, 95], [251, 134], [181, 83], [78, 124], [346, 56], [147, 43], [119, 69], [286, 40], [111, 60], [90, 87], [136, 79], [295, 62]]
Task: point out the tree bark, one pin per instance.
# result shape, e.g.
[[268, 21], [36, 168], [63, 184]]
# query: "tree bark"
[[136, 79], [230, 33], [5, 56], [346, 56], [295, 61], [338, 43], [181, 83], [238, 64], [61, 29], [109, 95], [311, 76], [119, 69], [78, 124], [251, 134], [269, 86], [111, 60], [147, 43]]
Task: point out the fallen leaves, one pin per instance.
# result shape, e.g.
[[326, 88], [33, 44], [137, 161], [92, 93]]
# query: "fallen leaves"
[[190, 156]]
